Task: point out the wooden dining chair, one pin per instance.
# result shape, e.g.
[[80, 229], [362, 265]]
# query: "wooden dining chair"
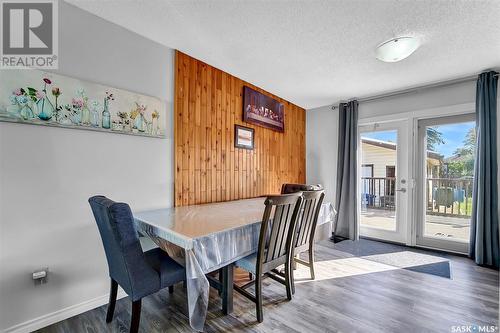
[[305, 234], [306, 228], [274, 248], [139, 273]]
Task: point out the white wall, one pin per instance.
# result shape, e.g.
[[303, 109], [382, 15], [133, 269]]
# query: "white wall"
[[47, 174], [321, 148], [322, 125]]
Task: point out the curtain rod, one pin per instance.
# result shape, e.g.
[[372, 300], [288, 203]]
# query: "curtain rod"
[[415, 89]]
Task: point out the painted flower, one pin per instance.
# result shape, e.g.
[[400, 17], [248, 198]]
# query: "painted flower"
[[122, 115], [17, 92], [109, 96], [47, 81], [77, 103], [155, 114], [13, 99], [134, 114], [141, 109], [56, 91]]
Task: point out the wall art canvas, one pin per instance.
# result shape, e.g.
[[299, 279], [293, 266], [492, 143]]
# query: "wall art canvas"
[[41, 98], [243, 137], [263, 110]]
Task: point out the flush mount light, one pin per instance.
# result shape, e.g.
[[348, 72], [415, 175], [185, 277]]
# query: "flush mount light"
[[397, 49]]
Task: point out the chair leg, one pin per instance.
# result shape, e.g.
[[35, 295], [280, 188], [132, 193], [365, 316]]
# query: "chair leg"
[[171, 289], [288, 280], [258, 297], [112, 300], [311, 263], [250, 276], [136, 316]]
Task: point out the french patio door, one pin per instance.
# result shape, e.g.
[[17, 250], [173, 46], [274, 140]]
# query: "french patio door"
[[383, 180], [445, 173]]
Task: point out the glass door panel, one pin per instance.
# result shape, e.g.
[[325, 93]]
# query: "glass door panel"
[[378, 205], [447, 148], [382, 181]]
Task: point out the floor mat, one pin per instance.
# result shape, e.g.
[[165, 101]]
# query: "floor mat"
[[398, 256]]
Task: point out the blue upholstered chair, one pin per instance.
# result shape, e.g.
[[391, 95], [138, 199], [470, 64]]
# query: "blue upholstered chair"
[[139, 273]]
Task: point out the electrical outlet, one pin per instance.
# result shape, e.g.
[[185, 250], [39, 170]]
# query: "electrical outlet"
[[40, 276]]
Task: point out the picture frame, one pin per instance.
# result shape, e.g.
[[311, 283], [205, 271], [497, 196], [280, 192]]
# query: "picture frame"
[[35, 97], [243, 137], [263, 110]]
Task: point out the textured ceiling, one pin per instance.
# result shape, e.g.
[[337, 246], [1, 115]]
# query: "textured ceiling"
[[315, 53]]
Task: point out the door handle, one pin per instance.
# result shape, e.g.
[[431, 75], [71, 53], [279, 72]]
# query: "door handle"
[[401, 190]]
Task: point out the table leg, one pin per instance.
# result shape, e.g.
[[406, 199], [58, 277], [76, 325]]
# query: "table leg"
[[227, 289], [221, 280]]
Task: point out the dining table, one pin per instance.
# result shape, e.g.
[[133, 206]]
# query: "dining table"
[[207, 238]]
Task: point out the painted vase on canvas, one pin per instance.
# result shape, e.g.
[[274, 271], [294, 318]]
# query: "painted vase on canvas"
[[26, 112], [155, 125], [45, 108], [85, 115], [13, 109], [76, 116], [76, 108], [140, 123], [65, 117], [106, 117], [94, 114]]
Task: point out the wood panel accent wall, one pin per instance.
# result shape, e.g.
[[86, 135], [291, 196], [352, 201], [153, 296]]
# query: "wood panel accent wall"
[[208, 168]]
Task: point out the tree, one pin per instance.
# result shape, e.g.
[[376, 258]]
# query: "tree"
[[469, 143], [434, 138], [462, 164]]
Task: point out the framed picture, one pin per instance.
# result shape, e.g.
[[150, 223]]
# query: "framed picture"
[[243, 137], [39, 98], [263, 110]]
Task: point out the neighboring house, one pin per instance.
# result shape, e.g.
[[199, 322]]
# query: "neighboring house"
[[378, 170], [379, 159]]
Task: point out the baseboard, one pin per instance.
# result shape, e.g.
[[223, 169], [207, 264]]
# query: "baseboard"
[[60, 315]]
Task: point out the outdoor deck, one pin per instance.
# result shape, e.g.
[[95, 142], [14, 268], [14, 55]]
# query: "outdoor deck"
[[437, 226]]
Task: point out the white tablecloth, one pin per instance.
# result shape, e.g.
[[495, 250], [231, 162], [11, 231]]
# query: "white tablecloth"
[[205, 238]]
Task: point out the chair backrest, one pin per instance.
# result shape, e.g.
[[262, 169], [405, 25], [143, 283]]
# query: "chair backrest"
[[308, 219], [292, 188], [277, 229], [126, 261]]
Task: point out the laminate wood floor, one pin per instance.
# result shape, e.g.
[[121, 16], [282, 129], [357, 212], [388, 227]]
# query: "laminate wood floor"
[[350, 294]]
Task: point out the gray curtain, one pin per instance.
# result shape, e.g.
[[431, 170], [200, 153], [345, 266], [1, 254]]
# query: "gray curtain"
[[346, 224], [484, 246]]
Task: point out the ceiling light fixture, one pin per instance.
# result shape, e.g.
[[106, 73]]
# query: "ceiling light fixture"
[[397, 49]]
